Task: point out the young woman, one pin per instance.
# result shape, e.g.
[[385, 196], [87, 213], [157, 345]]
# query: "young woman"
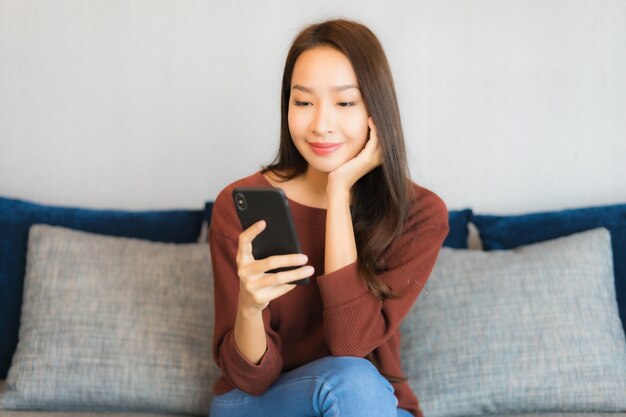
[[370, 238]]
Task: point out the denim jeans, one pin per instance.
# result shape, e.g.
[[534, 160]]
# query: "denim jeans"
[[330, 387]]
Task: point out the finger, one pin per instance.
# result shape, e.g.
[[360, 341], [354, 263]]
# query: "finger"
[[272, 293], [279, 261], [253, 231], [283, 289], [370, 123], [373, 137], [377, 152], [245, 240], [284, 277], [262, 296]]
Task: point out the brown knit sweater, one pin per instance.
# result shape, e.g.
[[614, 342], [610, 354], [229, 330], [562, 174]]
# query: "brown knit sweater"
[[335, 314]]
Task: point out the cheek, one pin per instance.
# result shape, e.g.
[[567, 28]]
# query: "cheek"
[[297, 124], [358, 130], [296, 130], [290, 122]]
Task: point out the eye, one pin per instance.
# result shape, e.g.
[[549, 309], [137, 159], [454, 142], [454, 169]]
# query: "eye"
[[301, 103], [347, 103]]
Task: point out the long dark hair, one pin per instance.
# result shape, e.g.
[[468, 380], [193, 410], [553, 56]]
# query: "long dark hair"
[[380, 199]]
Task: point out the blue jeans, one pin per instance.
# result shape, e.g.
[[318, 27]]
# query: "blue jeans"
[[331, 386]]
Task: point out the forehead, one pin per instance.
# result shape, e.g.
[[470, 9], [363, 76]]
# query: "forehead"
[[323, 67]]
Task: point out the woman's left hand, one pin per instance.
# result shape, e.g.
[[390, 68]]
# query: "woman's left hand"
[[346, 175]]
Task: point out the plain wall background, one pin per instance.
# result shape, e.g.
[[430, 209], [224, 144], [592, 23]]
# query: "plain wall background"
[[507, 106]]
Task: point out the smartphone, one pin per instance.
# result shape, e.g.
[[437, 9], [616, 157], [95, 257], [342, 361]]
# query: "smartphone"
[[279, 236]]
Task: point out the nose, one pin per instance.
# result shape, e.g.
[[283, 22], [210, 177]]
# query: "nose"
[[322, 122]]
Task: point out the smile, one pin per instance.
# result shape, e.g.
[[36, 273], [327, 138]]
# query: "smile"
[[324, 148]]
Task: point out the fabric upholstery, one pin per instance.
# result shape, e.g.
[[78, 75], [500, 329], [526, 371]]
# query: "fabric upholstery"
[[458, 222], [113, 324], [533, 329], [8, 413], [16, 217], [505, 232], [94, 414]]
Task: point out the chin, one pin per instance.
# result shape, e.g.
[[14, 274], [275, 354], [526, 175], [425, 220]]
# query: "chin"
[[324, 166]]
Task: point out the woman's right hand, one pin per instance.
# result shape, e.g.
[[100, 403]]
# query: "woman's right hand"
[[257, 287]]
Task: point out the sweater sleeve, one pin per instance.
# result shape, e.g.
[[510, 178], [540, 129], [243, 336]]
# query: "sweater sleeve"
[[356, 322], [251, 378]]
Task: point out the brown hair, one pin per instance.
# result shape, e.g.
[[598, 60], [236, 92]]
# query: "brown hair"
[[381, 197]]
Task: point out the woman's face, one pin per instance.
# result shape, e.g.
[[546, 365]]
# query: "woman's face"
[[327, 116]]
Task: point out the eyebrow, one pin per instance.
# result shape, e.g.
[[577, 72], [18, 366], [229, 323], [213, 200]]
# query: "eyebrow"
[[338, 88]]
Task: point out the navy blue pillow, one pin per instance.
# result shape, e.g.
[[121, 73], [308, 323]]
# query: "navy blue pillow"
[[16, 217], [506, 232], [458, 222], [208, 209]]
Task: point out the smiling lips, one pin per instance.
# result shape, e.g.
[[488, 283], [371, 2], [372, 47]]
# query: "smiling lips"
[[324, 148]]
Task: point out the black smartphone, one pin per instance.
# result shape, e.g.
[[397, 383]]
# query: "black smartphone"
[[279, 236]]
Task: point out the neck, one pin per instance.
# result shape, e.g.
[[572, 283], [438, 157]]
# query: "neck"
[[315, 181]]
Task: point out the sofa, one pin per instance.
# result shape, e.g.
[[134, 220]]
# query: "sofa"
[[109, 312]]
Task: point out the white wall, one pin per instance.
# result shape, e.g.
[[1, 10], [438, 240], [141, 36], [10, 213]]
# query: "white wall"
[[507, 106]]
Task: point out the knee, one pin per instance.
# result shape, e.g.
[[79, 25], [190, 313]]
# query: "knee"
[[353, 385], [357, 374]]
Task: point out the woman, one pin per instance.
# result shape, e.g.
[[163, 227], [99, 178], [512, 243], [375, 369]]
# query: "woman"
[[370, 238]]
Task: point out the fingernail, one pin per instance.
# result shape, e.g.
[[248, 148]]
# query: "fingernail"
[[303, 258], [309, 269]]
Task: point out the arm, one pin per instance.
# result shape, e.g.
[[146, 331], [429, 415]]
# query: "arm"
[[231, 330], [340, 247], [245, 347], [355, 321]]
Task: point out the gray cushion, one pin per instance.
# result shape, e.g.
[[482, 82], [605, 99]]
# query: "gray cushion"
[[527, 330], [79, 414], [570, 414], [8, 413], [113, 324]]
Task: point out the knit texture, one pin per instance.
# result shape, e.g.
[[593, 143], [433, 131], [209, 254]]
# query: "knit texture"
[[335, 314]]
